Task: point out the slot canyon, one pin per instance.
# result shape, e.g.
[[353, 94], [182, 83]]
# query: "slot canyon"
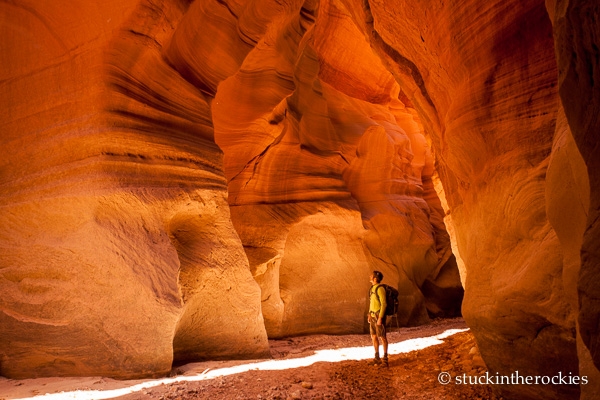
[[183, 180]]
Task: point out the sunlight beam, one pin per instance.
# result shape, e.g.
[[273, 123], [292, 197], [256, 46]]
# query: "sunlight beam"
[[330, 355]]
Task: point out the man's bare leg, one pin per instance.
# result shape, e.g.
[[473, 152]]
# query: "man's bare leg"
[[376, 360], [376, 345]]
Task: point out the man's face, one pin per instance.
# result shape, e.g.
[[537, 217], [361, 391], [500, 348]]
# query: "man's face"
[[372, 279]]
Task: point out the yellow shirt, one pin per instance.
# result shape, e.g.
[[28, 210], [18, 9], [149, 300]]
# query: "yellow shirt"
[[377, 301]]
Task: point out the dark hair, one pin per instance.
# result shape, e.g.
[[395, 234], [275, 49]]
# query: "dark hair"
[[378, 275]]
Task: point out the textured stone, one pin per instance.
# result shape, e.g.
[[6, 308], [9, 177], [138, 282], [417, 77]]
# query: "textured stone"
[[117, 240], [136, 259], [483, 80], [159, 155], [328, 181], [576, 26]]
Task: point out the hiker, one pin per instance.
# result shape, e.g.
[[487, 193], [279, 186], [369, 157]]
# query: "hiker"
[[377, 305]]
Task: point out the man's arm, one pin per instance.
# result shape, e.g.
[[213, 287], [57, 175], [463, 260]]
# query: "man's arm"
[[383, 302]]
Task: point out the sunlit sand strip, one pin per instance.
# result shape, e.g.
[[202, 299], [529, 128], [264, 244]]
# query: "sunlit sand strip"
[[350, 353]]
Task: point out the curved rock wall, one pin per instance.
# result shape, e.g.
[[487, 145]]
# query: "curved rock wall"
[[576, 27], [118, 248], [178, 153], [483, 78], [129, 197], [317, 143]]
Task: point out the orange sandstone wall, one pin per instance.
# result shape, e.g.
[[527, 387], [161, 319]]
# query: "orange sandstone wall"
[[329, 178], [118, 251], [182, 179], [576, 26], [483, 78]]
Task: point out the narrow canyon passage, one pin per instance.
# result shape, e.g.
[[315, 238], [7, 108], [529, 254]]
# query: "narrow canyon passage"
[[306, 367], [185, 181]]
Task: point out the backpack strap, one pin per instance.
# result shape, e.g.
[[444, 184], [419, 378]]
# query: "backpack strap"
[[375, 291]]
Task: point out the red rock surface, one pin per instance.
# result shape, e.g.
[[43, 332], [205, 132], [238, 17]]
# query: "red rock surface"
[[135, 259], [175, 150], [576, 26], [329, 180], [118, 248], [483, 79]]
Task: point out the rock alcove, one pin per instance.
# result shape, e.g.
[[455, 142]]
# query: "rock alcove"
[[182, 180]]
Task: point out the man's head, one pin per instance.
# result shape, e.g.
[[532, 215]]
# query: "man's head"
[[376, 277]]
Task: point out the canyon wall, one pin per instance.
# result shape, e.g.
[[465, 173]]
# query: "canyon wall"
[[576, 27], [182, 180], [118, 251], [178, 173], [328, 181], [483, 78]]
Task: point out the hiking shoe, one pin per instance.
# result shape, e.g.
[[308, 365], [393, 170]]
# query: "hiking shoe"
[[384, 362], [375, 361]]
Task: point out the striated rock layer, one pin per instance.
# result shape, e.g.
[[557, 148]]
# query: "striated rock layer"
[[329, 178], [119, 248], [118, 251], [200, 175], [483, 79], [576, 27]]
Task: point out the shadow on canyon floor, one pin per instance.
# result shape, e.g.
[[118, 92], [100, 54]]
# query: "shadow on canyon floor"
[[310, 367]]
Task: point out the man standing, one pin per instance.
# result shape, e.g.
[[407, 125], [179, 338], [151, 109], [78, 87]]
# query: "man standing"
[[377, 304]]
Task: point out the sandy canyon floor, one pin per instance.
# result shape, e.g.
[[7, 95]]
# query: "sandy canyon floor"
[[312, 367]]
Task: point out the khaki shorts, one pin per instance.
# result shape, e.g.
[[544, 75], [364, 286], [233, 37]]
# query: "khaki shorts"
[[375, 329]]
